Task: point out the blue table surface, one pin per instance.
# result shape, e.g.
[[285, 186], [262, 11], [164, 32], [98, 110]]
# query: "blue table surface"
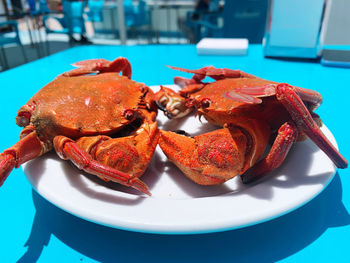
[[32, 229]]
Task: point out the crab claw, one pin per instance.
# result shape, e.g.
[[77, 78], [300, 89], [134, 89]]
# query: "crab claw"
[[171, 103], [214, 157], [100, 66], [189, 158], [129, 155]]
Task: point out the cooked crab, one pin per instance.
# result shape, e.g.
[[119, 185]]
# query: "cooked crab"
[[252, 111], [101, 121]]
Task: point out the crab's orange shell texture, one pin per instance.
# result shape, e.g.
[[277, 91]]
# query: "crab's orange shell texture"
[[85, 105]]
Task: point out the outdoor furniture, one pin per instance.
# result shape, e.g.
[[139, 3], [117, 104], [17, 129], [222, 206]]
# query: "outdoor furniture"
[[71, 20], [10, 38], [95, 14]]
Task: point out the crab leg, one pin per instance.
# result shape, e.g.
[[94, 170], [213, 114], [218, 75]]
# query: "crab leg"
[[312, 97], [99, 66], [27, 148], [304, 121], [68, 149], [120, 65], [287, 135], [214, 73], [7, 163]]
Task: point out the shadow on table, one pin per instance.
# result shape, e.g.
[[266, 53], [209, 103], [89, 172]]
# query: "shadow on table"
[[266, 242]]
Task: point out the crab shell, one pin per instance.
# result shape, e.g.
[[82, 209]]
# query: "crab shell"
[[214, 103], [219, 109], [87, 105]]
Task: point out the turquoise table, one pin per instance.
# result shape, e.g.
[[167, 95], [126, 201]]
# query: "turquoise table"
[[32, 229]]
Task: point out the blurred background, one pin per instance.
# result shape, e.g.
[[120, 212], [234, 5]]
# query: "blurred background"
[[42, 27], [31, 29]]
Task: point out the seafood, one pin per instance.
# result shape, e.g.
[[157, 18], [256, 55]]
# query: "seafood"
[[252, 112], [104, 123]]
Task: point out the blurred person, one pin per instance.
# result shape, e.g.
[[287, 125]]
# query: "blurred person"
[[201, 8], [189, 32]]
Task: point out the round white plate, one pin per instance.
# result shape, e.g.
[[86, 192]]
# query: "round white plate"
[[177, 205]]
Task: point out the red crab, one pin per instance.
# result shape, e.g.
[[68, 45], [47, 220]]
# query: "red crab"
[[252, 111], [103, 122]]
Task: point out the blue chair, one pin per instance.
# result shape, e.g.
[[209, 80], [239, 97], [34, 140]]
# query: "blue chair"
[[205, 23], [95, 10], [95, 14], [32, 6], [40, 9], [9, 38], [73, 15], [136, 16], [43, 7], [37, 8], [72, 20]]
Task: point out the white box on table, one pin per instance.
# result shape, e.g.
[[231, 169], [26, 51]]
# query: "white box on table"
[[222, 46]]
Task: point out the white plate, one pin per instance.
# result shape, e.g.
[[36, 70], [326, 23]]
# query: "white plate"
[[178, 206]]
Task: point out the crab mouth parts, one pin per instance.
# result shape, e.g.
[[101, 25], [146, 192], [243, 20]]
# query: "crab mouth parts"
[[172, 108], [161, 106], [128, 129]]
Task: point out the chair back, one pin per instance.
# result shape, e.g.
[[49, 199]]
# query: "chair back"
[[43, 7], [8, 37], [73, 16], [135, 15], [205, 23], [142, 17], [36, 7], [32, 6], [95, 10]]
